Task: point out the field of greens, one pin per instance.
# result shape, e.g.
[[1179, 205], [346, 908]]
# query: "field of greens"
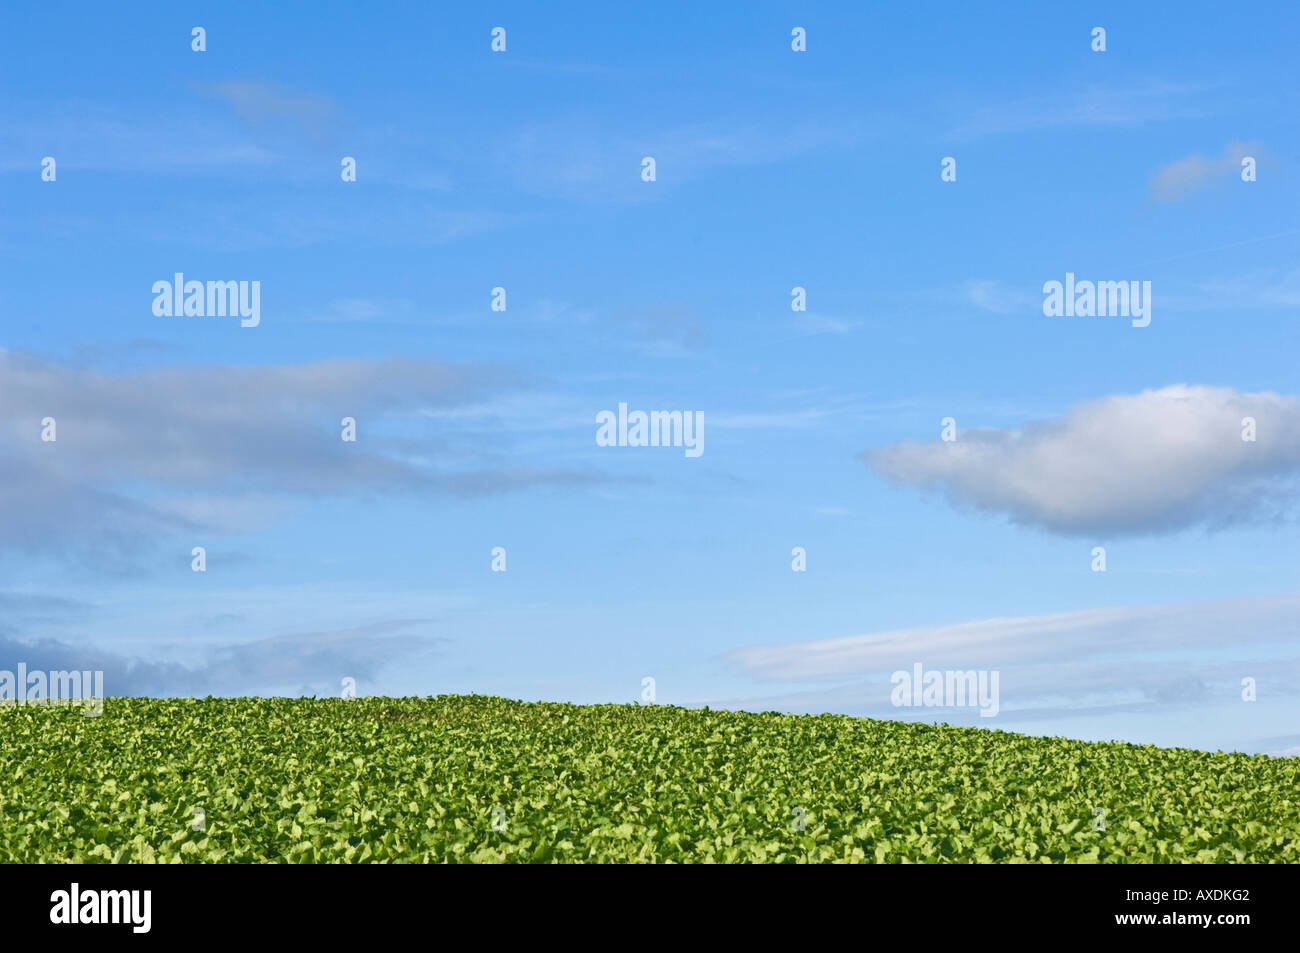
[[480, 779]]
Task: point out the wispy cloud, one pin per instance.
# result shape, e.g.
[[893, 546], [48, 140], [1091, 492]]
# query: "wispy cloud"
[[773, 420], [1016, 640], [1144, 658], [84, 137], [1172, 182], [594, 162], [814, 324], [999, 298], [1132, 104], [266, 105]]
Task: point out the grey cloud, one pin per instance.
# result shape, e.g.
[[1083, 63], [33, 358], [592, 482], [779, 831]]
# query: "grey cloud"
[[212, 426], [317, 660], [148, 452], [30, 608]]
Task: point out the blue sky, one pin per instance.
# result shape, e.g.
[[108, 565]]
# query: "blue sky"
[[476, 428]]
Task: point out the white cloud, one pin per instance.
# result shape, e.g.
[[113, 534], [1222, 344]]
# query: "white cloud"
[[813, 324], [997, 298], [163, 144], [1132, 104], [1173, 181], [600, 161], [832, 511], [269, 105], [1157, 461]]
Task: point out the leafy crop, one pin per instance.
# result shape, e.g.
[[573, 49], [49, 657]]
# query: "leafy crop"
[[479, 779]]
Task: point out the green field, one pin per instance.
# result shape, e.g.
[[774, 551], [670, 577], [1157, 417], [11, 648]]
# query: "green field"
[[480, 779]]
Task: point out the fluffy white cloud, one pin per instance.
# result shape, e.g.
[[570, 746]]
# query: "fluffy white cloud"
[[1157, 461]]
